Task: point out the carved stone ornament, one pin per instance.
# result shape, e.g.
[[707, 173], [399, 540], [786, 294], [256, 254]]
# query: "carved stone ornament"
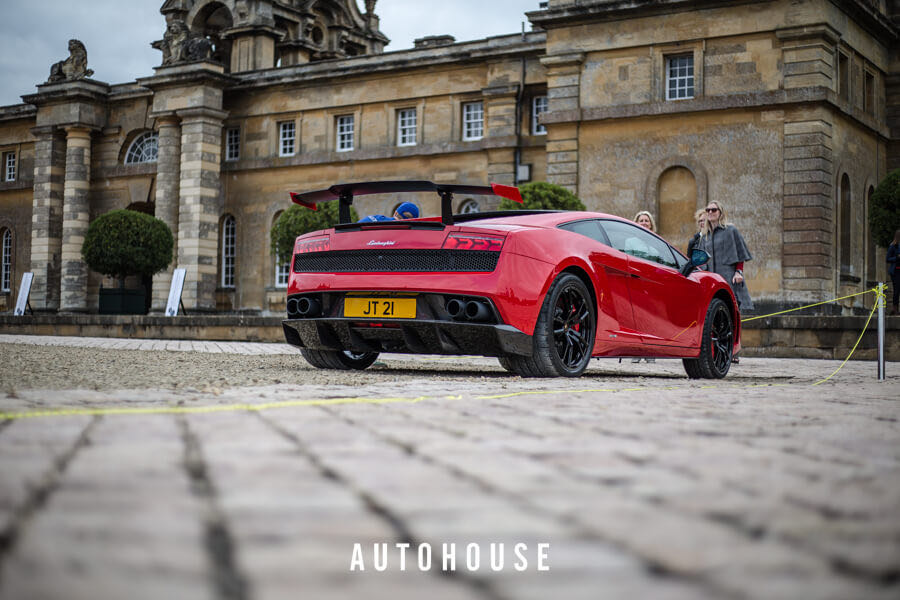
[[180, 46], [74, 67]]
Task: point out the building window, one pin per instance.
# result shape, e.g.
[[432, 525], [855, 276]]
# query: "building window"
[[9, 166], [680, 77], [472, 121], [144, 149], [232, 143], [538, 105], [287, 134], [406, 127], [6, 261], [282, 269], [229, 240], [344, 126], [869, 93], [845, 216], [843, 76]]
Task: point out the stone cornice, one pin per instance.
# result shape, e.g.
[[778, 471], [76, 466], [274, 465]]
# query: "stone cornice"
[[615, 10], [189, 74], [806, 95], [68, 91], [312, 73], [18, 111]]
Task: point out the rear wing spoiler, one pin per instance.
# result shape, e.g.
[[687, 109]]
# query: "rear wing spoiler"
[[345, 193]]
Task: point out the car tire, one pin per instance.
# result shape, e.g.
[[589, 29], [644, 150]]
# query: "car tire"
[[506, 363], [345, 360], [716, 344], [563, 337]]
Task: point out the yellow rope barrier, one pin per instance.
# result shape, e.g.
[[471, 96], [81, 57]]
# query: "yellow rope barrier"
[[879, 298], [811, 305]]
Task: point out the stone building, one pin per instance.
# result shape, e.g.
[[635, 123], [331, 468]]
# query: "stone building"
[[784, 110]]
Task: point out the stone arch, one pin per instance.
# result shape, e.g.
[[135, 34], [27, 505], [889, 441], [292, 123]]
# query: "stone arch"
[[139, 146], [673, 215], [211, 19]]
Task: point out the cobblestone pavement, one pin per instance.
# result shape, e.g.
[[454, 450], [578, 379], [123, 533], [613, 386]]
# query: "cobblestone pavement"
[[643, 483]]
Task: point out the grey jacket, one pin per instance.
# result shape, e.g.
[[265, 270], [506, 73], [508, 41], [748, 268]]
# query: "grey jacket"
[[726, 247]]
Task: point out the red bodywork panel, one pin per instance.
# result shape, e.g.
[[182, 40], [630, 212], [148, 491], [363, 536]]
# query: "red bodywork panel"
[[643, 307]]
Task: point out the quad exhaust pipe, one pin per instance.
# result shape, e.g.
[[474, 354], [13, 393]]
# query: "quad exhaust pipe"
[[473, 310]]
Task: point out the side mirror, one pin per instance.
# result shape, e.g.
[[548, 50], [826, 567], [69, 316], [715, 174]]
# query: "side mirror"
[[698, 259]]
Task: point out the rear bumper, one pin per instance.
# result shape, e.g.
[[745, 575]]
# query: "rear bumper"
[[413, 336]]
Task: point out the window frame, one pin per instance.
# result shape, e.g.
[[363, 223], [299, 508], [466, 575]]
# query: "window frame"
[[228, 252], [536, 127], [344, 139], [9, 166], [640, 232], [668, 63], [232, 146], [466, 121], [6, 262], [284, 138], [404, 128], [142, 140]]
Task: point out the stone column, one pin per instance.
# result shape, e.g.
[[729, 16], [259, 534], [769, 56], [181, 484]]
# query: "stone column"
[[46, 220], [199, 209], [500, 132], [73, 290], [563, 95], [168, 169]]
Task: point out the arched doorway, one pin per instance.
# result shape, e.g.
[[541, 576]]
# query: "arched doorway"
[[677, 196]]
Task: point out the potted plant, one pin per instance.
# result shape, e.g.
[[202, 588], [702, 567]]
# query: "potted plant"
[[122, 243]]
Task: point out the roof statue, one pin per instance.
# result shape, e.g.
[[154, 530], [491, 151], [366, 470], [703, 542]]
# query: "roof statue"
[[74, 67], [179, 45]]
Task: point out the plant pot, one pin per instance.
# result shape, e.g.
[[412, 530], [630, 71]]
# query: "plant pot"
[[122, 301]]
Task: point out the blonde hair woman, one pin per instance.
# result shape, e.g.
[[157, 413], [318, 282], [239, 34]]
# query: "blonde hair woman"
[[700, 218], [727, 251], [645, 220]]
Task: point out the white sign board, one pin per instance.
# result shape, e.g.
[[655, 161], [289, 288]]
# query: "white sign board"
[[175, 292], [24, 290]]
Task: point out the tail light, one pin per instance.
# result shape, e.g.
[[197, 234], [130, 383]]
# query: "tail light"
[[473, 241], [316, 244]]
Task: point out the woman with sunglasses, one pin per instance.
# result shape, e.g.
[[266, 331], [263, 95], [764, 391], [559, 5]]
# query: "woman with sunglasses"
[[727, 252]]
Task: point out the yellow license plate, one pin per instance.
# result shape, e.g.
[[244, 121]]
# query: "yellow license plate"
[[380, 308]]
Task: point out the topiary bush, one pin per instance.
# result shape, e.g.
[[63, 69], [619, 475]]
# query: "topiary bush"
[[540, 195], [884, 211], [298, 220], [125, 242]]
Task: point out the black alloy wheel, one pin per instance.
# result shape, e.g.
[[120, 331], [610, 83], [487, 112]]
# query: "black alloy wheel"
[[716, 345], [564, 334]]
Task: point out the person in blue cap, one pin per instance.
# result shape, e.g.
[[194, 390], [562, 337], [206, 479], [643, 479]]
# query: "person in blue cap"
[[407, 210]]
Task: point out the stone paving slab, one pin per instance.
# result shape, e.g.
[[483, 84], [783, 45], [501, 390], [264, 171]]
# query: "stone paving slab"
[[644, 484]]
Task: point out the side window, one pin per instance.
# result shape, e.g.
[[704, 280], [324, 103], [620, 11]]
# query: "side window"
[[590, 228], [639, 242]]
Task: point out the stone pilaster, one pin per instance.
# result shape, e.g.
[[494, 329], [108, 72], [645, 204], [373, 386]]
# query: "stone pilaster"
[[199, 209], [807, 210], [73, 289], [46, 220], [564, 100], [168, 174], [500, 132]]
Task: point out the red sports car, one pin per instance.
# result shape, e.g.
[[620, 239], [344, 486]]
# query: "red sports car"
[[543, 291]]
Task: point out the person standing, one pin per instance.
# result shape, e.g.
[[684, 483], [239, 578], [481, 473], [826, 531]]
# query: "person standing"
[[893, 257], [645, 220], [700, 218], [727, 252]]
